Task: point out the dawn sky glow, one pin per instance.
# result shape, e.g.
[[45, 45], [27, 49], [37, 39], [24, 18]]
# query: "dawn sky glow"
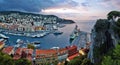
[[69, 9]]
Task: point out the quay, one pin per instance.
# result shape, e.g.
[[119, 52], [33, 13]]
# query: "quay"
[[81, 40]]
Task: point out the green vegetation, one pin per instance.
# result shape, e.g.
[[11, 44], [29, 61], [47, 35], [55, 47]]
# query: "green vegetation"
[[22, 62], [101, 24], [30, 46], [113, 14], [117, 27], [114, 58], [53, 63], [103, 39], [80, 60], [107, 60], [7, 60]]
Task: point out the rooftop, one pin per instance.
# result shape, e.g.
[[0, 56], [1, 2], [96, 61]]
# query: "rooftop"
[[29, 51], [18, 51], [7, 50], [49, 51], [72, 57], [62, 50]]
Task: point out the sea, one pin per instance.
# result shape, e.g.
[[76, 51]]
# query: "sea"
[[52, 40]]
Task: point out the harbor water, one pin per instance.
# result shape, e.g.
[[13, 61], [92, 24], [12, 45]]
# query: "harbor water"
[[52, 40]]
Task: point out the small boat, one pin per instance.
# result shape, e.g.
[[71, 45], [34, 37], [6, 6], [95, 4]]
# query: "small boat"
[[39, 35], [36, 43], [18, 45], [19, 41], [55, 27], [57, 32], [55, 48], [61, 25], [2, 40]]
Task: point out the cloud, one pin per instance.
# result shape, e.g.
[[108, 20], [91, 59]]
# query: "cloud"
[[70, 9], [85, 4], [33, 5], [112, 3]]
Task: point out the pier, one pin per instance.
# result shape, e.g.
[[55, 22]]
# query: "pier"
[[81, 40]]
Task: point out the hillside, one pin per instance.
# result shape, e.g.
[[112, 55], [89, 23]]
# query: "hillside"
[[59, 20]]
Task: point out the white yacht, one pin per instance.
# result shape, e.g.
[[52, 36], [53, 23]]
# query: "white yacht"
[[3, 36]]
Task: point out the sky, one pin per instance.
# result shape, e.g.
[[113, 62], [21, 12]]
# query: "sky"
[[69, 9]]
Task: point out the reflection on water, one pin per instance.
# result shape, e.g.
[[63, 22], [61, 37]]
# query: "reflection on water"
[[52, 40]]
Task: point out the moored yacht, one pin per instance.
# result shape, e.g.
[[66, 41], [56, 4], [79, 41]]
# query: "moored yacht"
[[57, 32], [36, 43], [3, 36], [75, 33], [19, 41]]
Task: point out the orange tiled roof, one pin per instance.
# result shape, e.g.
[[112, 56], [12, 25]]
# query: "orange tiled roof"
[[17, 54], [29, 51], [45, 53], [63, 50], [73, 56], [7, 50], [18, 51], [49, 51]]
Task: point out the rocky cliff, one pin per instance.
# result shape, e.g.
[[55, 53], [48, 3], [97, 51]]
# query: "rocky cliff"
[[103, 39]]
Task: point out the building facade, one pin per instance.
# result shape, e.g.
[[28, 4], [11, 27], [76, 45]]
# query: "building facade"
[[45, 57]]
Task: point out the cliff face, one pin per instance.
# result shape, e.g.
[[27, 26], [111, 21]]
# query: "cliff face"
[[103, 39]]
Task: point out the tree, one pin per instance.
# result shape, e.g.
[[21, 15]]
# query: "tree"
[[75, 62], [114, 58], [101, 24], [23, 62], [107, 60], [31, 46], [116, 52], [113, 14], [86, 62], [117, 27], [6, 59]]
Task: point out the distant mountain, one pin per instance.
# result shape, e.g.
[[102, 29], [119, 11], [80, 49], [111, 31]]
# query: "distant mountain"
[[59, 20]]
